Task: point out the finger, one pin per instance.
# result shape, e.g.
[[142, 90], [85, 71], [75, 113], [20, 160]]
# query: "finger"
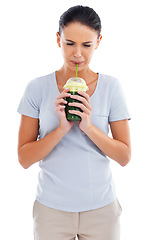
[[63, 95], [85, 95], [83, 100], [60, 101], [59, 108], [66, 90], [76, 113], [81, 106]]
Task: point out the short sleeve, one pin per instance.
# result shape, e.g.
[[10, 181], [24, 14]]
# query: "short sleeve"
[[118, 108], [31, 100]]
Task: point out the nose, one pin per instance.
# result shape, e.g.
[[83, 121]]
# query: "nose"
[[77, 52]]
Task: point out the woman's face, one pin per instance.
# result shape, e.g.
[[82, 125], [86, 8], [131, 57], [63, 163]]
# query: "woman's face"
[[77, 43]]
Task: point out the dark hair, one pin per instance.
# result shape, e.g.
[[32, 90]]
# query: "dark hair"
[[85, 15]]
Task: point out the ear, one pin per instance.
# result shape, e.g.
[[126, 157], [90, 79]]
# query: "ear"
[[98, 41], [58, 39]]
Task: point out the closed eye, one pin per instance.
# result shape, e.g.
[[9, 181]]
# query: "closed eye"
[[86, 45], [70, 44]]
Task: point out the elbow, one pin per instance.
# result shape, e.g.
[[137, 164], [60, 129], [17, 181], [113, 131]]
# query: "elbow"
[[124, 163], [23, 162], [126, 159], [22, 159]]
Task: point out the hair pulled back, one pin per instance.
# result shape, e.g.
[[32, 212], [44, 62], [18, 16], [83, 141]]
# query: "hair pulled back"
[[84, 15]]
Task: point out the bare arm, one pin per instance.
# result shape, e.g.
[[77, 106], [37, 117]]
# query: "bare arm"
[[30, 150], [118, 148]]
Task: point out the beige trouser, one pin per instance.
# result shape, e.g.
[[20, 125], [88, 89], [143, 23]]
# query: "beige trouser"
[[99, 224]]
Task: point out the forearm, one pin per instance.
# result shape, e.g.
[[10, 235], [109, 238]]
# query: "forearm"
[[112, 148], [35, 151]]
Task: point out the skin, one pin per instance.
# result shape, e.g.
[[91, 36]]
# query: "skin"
[[78, 43]]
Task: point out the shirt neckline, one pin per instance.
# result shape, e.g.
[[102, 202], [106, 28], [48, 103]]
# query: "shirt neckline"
[[90, 96]]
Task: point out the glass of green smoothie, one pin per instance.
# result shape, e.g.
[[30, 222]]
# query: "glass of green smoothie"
[[74, 84]]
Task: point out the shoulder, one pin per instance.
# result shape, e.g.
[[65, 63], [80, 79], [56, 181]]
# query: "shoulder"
[[108, 83], [108, 80], [39, 82]]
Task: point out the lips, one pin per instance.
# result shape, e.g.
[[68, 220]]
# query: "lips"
[[79, 63]]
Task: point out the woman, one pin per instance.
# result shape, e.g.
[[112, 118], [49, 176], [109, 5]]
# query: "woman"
[[75, 193]]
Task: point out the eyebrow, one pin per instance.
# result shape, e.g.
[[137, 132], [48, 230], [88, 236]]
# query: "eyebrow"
[[74, 42]]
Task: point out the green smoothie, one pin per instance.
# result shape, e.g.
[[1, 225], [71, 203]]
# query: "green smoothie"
[[74, 84]]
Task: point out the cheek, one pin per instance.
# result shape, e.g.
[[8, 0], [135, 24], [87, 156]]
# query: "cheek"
[[89, 54], [65, 52]]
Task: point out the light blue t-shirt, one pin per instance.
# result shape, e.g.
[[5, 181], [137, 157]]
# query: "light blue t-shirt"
[[75, 176]]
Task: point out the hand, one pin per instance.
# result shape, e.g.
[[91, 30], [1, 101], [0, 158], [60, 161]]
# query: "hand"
[[85, 106], [60, 109]]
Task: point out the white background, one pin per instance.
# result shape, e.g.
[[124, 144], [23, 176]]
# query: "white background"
[[28, 49]]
